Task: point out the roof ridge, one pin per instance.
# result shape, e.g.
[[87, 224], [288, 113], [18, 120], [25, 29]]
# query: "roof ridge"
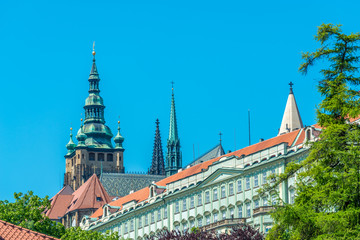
[[28, 230]]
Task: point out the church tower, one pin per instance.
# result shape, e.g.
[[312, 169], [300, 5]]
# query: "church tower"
[[291, 120], [94, 152], [157, 164], [173, 156]]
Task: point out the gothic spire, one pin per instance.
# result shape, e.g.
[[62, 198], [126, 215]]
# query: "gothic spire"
[[157, 164], [291, 120], [173, 157]]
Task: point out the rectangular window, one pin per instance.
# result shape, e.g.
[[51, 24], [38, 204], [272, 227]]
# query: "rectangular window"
[[231, 189], [126, 228], [146, 220], [192, 202], [152, 217], [292, 196], [239, 186], [131, 225], [215, 194], [265, 201], [273, 198], [165, 213], [256, 180], [248, 210], [232, 212], [140, 224], [199, 222], [273, 172], [208, 219], [199, 199], [247, 183], [223, 193], [177, 207], [184, 205], [240, 215], [192, 224], [215, 217], [264, 177], [185, 226], [159, 215], [207, 197], [256, 203], [223, 213]]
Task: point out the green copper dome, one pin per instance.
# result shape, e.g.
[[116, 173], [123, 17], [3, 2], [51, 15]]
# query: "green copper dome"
[[119, 139], [71, 145], [81, 137]]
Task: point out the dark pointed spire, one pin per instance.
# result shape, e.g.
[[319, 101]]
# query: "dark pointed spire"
[[173, 157], [157, 164]]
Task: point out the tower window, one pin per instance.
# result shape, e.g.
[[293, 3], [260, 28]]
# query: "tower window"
[[92, 156], [110, 157], [101, 157]]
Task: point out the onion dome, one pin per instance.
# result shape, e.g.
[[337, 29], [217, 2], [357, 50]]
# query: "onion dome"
[[119, 139], [81, 136], [71, 145]]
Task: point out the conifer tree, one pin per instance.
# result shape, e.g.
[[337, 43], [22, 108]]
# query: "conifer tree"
[[327, 202]]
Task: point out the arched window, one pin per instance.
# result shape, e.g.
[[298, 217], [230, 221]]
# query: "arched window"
[[100, 157], [110, 157], [91, 156]]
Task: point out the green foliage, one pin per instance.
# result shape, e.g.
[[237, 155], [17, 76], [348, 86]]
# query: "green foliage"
[[327, 205], [78, 234], [27, 211]]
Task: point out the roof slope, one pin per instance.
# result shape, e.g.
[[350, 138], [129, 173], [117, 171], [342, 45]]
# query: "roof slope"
[[91, 195], [86, 196], [9, 231], [214, 152], [143, 194]]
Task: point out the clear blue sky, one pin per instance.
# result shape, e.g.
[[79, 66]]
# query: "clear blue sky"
[[225, 57]]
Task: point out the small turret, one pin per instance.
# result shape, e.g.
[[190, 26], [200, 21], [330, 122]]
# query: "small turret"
[[81, 136], [119, 139], [71, 145]]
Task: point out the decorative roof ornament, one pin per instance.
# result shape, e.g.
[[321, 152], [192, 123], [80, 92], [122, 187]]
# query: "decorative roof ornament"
[[118, 138], [291, 120], [157, 163], [71, 145]]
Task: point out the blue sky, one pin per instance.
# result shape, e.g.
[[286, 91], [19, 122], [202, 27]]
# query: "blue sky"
[[225, 57]]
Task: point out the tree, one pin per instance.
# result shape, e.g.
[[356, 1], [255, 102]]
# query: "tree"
[[245, 232], [27, 211], [79, 234], [327, 205]]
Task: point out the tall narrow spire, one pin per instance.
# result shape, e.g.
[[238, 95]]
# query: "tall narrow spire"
[[291, 120], [157, 164], [98, 134], [173, 157]]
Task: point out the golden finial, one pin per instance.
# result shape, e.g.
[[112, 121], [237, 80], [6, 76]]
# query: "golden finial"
[[118, 122], [93, 52], [81, 119], [71, 129]]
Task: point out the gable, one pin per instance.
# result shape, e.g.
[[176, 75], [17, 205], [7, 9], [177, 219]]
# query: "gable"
[[220, 175]]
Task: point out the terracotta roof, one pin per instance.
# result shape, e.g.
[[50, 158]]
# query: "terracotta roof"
[[10, 231], [85, 197], [143, 194], [60, 203]]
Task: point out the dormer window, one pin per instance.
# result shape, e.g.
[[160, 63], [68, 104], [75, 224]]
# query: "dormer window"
[[98, 199]]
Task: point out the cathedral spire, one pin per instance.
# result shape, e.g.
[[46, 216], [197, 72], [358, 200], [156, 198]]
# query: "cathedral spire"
[[173, 157], [98, 134], [291, 120], [71, 145], [157, 164]]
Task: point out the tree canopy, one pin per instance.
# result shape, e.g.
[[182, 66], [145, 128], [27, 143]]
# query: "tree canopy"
[[27, 211], [327, 202]]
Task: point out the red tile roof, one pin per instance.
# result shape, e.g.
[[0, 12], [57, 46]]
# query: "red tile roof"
[[85, 197], [10, 231], [143, 194]]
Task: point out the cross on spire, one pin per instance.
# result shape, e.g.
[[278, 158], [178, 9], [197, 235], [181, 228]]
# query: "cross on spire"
[[220, 134], [291, 86], [172, 86]]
